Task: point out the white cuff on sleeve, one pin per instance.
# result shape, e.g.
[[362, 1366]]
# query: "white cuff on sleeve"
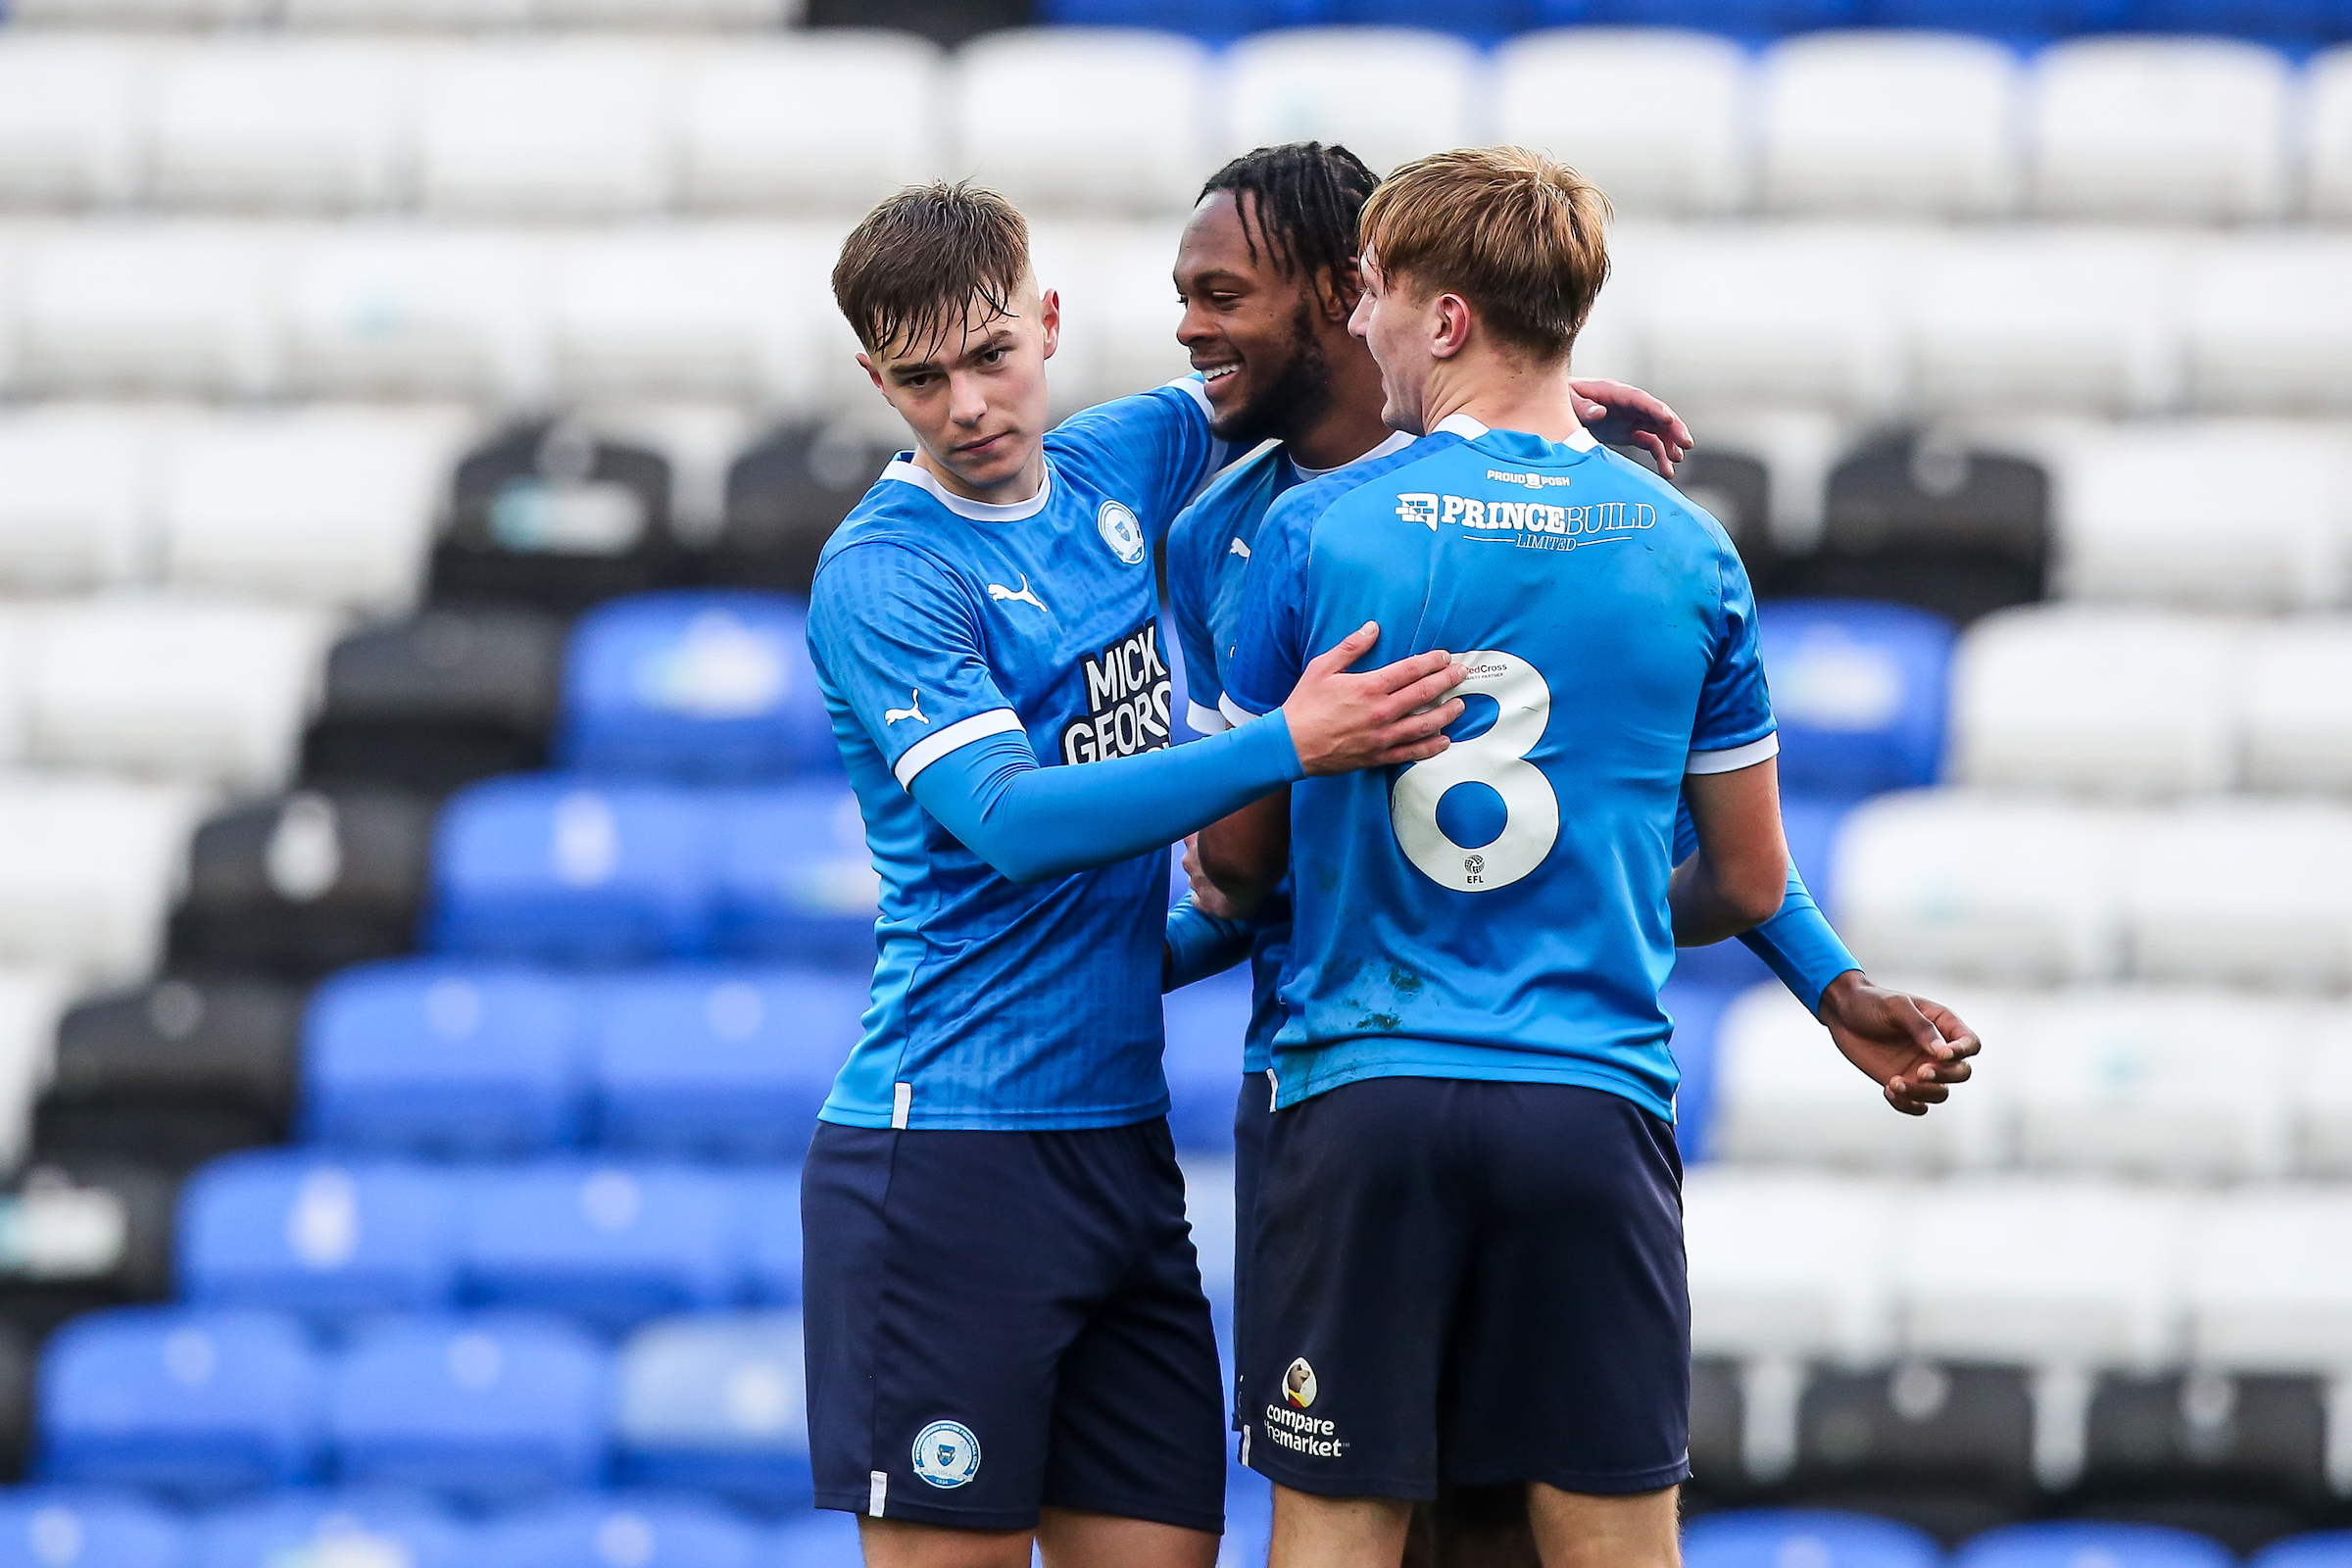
[[931, 748], [1206, 721], [1236, 715], [1738, 757]]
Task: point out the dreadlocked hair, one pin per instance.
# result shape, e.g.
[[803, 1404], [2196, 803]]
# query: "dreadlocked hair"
[[1307, 197]]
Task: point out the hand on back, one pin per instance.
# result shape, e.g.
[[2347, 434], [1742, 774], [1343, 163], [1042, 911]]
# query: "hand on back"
[[1395, 714]]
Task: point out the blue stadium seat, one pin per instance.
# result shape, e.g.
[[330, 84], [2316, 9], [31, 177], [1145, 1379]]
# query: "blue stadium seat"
[[706, 684], [1752, 20], [2020, 22], [326, 1528], [1485, 20], [2089, 1543], [716, 1404], [1810, 823], [623, 1531], [1859, 691], [1696, 1010], [610, 1244], [1215, 20], [2290, 24], [730, 1065], [768, 1205], [1206, 1023], [441, 1057], [1775, 1538], [69, 1527], [491, 1408], [796, 881], [827, 1540], [564, 869], [300, 1231], [2324, 1549], [193, 1401]]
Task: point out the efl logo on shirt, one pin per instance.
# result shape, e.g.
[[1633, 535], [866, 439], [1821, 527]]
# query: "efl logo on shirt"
[[1128, 691]]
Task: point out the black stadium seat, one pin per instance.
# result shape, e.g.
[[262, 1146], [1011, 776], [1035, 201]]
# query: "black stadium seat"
[[435, 702], [172, 1074], [551, 513], [301, 885], [1927, 522], [1718, 1470], [1948, 1448], [2242, 1459], [82, 1234], [786, 494], [15, 1401], [1735, 490]]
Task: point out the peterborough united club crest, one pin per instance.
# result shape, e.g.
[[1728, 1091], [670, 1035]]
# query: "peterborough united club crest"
[[1121, 532], [946, 1454]]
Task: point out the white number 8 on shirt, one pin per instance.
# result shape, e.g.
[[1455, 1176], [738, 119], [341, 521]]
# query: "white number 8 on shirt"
[[1497, 758]]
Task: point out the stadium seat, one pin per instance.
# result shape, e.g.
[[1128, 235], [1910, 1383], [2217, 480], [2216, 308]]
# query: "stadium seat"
[[91, 1232], [2242, 892], [2157, 1437], [546, 128], [2321, 1549], [437, 702], [715, 1404], [561, 868], [72, 113], [690, 312], [177, 686], [2268, 330], [787, 493], [1918, 1437], [279, 123], [2097, 701], [1735, 488], [1718, 1423], [1788, 1266], [1100, 119], [174, 1073], [767, 1203], [606, 1244], [1656, 117], [374, 310], [370, 1528], [719, 1063], [1809, 311], [1859, 694], [1697, 1006], [2155, 1081], [2046, 319], [1119, 317], [2328, 122], [491, 1408], [304, 884], [1946, 882], [299, 1231], [2192, 130], [2263, 1296], [74, 488], [1887, 124], [810, 121], [89, 867], [2067, 1543], [136, 306], [701, 684], [1340, 84], [1206, 1022], [1928, 519], [194, 1403], [69, 1527], [555, 514], [640, 1533], [830, 1540], [2137, 510], [443, 1058], [1780, 1537], [30, 1002], [796, 881]]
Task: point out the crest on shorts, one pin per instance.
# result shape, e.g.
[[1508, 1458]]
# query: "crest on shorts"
[[1299, 1384], [946, 1454]]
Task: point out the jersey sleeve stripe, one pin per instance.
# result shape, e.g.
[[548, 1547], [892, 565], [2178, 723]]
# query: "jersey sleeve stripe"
[[1207, 721], [931, 748], [1736, 758], [1235, 713], [1198, 389]]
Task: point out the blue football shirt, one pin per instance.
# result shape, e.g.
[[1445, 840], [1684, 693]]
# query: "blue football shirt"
[[1500, 912], [936, 622]]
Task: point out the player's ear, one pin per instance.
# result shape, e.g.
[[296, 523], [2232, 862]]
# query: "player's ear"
[[1449, 325], [871, 375], [1337, 290], [1049, 318]]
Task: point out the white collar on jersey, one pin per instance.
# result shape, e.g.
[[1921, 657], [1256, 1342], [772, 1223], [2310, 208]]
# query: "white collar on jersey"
[[1470, 430], [1398, 441], [905, 470]]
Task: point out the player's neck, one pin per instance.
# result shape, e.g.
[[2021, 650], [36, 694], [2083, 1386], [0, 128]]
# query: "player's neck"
[[1025, 484], [1502, 394], [1349, 423]]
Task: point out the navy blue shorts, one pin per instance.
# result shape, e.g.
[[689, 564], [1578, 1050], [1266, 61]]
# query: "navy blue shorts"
[[1252, 1114], [1003, 1321], [1490, 1273]]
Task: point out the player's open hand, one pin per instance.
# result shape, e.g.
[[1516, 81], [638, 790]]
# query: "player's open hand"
[[1913, 1049], [1621, 416], [1395, 714]]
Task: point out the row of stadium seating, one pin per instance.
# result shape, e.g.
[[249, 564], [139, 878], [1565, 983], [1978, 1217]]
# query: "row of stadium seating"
[[1859, 124]]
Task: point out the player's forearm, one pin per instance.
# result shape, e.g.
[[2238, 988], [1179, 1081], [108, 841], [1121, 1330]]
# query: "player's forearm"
[[1708, 908], [1200, 944], [1246, 855], [1031, 822], [1799, 944]]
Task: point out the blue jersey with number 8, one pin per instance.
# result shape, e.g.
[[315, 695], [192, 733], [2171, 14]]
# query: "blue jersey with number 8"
[[1500, 911]]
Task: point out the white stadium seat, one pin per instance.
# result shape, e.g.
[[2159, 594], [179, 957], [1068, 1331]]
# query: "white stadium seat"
[[548, 128], [1804, 316], [398, 309], [133, 307], [73, 118], [2269, 1280], [1889, 123], [178, 688], [1786, 1264], [1658, 118], [1957, 883], [2268, 323], [275, 122], [31, 1001], [421, 16], [136, 14], [2244, 892], [2223, 516], [1118, 309], [88, 868], [2296, 705], [323, 506], [2322, 1101], [2154, 1081], [2047, 319], [1387, 94], [679, 311], [815, 119], [2108, 701], [18, 623], [76, 488], [2184, 129], [2327, 123], [1105, 120], [682, 16]]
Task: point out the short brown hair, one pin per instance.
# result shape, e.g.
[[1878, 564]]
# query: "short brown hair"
[[1516, 234], [911, 266]]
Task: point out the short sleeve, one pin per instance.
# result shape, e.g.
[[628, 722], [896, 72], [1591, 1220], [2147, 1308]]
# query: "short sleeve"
[[1268, 654], [1159, 440], [1735, 726], [897, 639], [1189, 609]]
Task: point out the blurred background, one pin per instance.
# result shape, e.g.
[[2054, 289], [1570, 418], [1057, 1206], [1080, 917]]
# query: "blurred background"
[[431, 912]]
